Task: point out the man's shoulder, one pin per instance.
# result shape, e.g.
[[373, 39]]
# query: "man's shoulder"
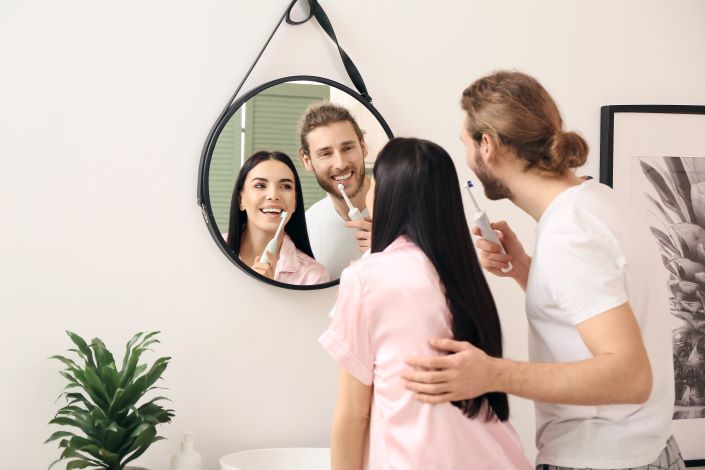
[[591, 208]]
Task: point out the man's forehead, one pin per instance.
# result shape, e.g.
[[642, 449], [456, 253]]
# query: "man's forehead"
[[332, 134]]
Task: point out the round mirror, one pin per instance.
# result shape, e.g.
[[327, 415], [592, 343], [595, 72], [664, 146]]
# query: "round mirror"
[[283, 171]]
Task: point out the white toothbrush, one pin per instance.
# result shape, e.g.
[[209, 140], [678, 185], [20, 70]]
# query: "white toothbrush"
[[483, 223], [273, 244], [354, 212]]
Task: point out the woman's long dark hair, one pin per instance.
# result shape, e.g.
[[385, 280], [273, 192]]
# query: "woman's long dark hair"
[[417, 194], [295, 228]]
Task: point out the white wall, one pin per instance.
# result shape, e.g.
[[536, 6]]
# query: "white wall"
[[104, 107], [375, 136]]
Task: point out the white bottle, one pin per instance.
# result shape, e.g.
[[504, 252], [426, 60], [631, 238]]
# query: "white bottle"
[[188, 458]]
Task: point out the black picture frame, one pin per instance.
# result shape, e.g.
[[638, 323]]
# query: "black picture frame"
[[608, 116], [207, 154]]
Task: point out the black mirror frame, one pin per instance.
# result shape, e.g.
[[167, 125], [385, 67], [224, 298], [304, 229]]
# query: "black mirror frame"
[[206, 155]]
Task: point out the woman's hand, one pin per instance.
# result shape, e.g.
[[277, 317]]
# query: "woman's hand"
[[265, 269], [493, 260]]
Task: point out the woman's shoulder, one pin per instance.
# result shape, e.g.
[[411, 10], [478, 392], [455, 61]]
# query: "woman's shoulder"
[[393, 262], [310, 263], [295, 260]]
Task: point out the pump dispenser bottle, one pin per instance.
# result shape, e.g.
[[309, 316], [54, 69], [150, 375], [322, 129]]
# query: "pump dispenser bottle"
[[188, 458]]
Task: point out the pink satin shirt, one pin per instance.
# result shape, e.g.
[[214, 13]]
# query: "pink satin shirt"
[[296, 267], [389, 305]]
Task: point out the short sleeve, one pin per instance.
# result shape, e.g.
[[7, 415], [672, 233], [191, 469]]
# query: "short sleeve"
[[585, 271], [347, 339]]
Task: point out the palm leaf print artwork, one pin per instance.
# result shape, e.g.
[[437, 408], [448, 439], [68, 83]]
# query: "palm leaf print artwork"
[[679, 206]]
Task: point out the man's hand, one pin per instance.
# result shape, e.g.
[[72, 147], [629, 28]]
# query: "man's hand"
[[618, 371], [492, 259], [463, 375], [364, 232], [265, 269]]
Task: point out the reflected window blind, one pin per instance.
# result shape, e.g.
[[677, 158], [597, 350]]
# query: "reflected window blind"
[[224, 167], [271, 124], [271, 120]]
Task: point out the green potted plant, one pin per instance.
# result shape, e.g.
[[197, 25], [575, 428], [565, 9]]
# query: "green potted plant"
[[110, 429]]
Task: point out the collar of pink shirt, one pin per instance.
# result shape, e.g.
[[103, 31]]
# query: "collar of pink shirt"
[[288, 262], [401, 241]]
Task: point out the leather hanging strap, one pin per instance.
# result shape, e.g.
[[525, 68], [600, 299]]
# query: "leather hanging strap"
[[317, 10]]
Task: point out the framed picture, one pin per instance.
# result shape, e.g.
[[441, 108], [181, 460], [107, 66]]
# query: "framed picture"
[[654, 157]]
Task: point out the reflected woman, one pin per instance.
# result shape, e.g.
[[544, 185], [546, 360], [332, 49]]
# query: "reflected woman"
[[266, 186], [422, 280]]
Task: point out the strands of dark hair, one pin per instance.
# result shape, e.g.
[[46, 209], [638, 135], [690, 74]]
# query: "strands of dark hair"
[[295, 228], [417, 194]]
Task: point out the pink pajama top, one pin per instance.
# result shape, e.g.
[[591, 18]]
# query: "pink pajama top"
[[389, 305], [296, 267]]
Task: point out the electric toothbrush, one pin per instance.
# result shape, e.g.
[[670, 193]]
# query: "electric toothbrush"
[[273, 244], [354, 212], [482, 222]]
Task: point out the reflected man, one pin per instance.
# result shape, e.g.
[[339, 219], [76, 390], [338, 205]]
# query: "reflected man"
[[333, 148]]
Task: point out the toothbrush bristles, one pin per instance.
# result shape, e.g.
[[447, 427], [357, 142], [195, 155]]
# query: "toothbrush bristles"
[[283, 216], [469, 185], [341, 188]]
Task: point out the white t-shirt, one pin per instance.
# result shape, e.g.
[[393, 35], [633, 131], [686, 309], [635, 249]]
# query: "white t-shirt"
[[587, 261], [333, 244]]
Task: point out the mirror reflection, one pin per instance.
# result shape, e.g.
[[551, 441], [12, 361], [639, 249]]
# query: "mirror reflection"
[[288, 178]]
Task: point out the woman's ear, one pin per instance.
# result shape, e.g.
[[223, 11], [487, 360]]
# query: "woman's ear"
[[239, 202]]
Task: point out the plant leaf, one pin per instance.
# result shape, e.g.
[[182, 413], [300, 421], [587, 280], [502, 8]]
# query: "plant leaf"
[[110, 378], [156, 371], [128, 349], [96, 386], [662, 188], [112, 437], [660, 208], [128, 372], [85, 351], [68, 362], [141, 443], [681, 182], [77, 397], [57, 435], [103, 404], [665, 241], [103, 357], [78, 464]]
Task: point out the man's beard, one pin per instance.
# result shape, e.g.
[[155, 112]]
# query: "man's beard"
[[494, 189], [331, 187]]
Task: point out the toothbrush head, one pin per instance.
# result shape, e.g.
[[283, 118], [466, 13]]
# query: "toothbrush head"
[[275, 241], [341, 188], [468, 186]]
